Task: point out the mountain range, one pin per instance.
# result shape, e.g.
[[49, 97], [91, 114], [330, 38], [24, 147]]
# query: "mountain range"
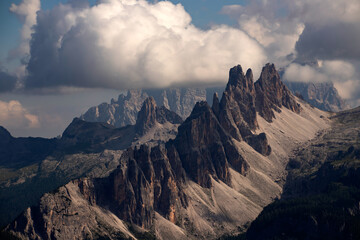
[[124, 110], [227, 169]]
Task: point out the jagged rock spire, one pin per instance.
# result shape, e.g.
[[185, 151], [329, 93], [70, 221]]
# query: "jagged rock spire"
[[237, 106], [147, 116], [272, 94], [150, 114]]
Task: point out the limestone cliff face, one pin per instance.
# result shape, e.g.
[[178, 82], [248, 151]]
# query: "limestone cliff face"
[[272, 94]]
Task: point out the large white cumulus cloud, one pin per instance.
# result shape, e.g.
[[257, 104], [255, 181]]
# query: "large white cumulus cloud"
[[132, 43]]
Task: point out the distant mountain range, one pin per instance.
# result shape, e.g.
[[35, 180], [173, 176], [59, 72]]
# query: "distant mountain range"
[[124, 110], [321, 95]]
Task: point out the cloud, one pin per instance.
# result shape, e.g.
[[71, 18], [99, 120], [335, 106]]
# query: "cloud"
[[333, 41], [127, 44], [323, 29], [345, 76], [26, 12], [331, 31], [323, 12], [299, 73], [277, 34], [13, 115], [7, 81]]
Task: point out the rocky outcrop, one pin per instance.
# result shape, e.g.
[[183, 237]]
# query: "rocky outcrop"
[[237, 109], [237, 112], [259, 143], [147, 116], [272, 94], [150, 114], [321, 95]]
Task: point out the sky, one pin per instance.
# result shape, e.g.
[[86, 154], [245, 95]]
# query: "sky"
[[60, 57]]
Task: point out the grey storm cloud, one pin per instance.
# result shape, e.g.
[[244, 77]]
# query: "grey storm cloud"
[[128, 44], [7, 82], [335, 41]]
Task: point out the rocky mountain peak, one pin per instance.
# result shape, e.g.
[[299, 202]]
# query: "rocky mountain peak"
[[249, 74], [272, 94], [237, 78], [216, 104], [150, 114], [135, 93], [147, 116], [237, 113], [235, 74], [269, 74]]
